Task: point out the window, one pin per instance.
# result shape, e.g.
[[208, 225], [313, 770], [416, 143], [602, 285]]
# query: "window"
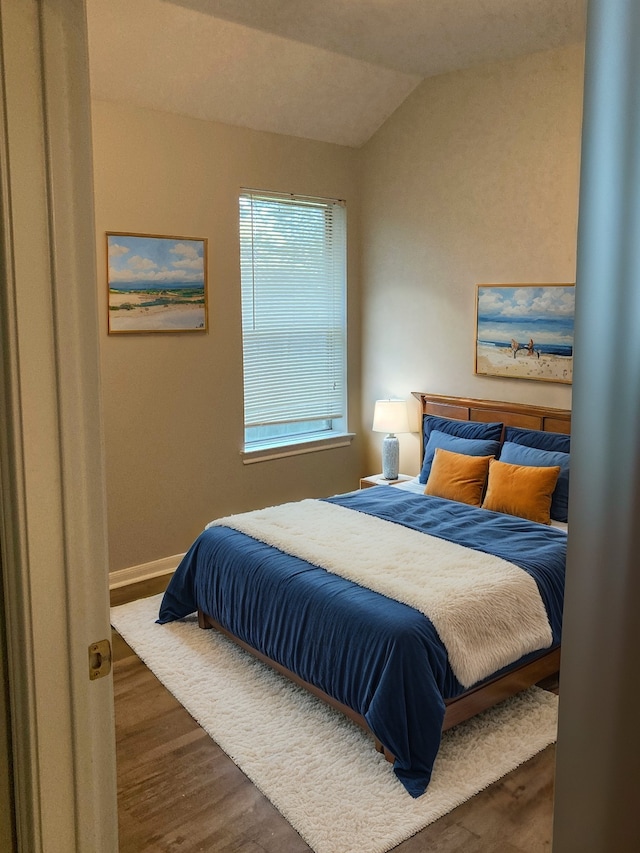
[[293, 271]]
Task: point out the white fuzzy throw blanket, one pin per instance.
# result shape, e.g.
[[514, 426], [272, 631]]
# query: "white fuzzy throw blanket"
[[487, 611]]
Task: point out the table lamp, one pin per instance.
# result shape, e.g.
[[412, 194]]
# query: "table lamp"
[[390, 416]]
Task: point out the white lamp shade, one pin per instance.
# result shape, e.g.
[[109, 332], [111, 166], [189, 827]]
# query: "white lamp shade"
[[391, 416]]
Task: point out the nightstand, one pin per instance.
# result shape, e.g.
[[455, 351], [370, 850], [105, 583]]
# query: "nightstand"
[[377, 480]]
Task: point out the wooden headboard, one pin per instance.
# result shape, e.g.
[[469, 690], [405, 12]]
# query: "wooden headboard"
[[510, 414]]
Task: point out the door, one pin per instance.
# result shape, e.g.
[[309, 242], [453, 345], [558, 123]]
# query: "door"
[[52, 507]]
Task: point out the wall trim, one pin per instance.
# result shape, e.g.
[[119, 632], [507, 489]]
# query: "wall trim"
[[144, 572]]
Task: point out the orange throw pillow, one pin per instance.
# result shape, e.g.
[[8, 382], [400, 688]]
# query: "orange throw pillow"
[[522, 490], [458, 477]]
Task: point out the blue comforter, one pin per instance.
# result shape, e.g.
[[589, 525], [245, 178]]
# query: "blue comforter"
[[378, 656]]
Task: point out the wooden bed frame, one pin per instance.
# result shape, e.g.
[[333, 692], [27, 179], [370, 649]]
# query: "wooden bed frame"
[[491, 692]]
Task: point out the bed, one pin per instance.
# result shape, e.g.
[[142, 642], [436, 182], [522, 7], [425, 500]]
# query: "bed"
[[331, 593]]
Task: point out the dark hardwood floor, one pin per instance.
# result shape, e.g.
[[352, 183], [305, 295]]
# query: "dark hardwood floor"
[[177, 790]]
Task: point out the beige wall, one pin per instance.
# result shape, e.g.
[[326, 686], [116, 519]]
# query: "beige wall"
[[173, 404], [7, 823], [473, 180]]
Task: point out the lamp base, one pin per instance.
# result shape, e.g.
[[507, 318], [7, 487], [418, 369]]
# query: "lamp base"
[[390, 457]]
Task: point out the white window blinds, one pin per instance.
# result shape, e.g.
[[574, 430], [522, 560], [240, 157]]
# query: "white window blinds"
[[293, 271]]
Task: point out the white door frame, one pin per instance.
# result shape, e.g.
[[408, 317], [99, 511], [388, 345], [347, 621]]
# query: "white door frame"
[[52, 505]]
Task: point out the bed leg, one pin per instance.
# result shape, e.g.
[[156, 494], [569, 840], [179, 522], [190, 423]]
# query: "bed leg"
[[202, 620], [383, 749]]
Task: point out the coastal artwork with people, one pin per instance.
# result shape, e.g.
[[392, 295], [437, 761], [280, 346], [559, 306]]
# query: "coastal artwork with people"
[[525, 331], [156, 284]]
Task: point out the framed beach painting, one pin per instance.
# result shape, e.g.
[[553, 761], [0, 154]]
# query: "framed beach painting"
[[525, 331], [156, 284]]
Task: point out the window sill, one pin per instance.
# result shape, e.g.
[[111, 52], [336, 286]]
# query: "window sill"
[[264, 454]]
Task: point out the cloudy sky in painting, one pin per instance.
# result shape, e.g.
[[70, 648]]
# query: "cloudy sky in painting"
[[543, 314], [520, 303], [155, 259]]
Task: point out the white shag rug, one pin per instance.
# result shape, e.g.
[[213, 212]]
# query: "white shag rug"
[[319, 769]]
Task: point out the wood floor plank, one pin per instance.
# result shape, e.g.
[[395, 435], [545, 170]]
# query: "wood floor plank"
[[177, 790], [179, 793]]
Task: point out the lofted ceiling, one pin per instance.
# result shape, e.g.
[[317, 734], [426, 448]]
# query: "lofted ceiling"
[[330, 70]]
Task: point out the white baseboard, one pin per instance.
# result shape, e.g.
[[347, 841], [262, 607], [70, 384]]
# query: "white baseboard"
[[144, 572]]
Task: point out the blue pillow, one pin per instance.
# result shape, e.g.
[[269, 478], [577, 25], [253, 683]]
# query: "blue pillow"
[[520, 454], [467, 446], [537, 438], [462, 429]]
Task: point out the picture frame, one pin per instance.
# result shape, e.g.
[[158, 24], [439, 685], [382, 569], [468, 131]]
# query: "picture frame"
[[156, 283], [525, 331]]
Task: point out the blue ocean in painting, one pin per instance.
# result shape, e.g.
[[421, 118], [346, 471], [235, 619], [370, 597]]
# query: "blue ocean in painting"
[[551, 336], [144, 286], [544, 349]]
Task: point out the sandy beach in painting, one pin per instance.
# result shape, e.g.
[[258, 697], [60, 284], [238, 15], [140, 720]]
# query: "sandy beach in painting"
[[499, 361], [128, 313]]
